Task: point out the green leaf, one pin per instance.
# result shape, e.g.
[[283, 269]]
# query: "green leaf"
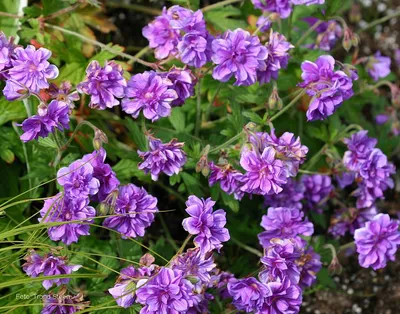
[[9, 25], [51, 6], [136, 134], [11, 111], [192, 184], [7, 155], [253, 117], [73, 72], [47, 142], [105, 55], [125, 169], [177, 119], [222, 18], [230, 201]]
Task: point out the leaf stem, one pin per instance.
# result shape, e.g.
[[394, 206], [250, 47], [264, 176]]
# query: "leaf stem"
[[307, 33], [219, 5], [381, 20], [101, 45], [231, 140], [288, 106]]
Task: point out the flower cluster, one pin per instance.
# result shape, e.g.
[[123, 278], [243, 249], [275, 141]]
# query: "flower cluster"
[[62, 303], [48, 265], [282, 7], [156, 93], [370, 168], [327, 87], [180, 31], [162, 158], [328, 33], [83, 180]]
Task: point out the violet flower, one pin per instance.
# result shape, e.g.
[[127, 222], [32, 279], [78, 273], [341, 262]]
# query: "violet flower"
[[317, 189], [238, 54], [62, 209], [377, 242], [166, 158], [208, 226], [31, 69], [103, 84], [284, 223], [282, 7], [378, 66], [291, 196], [309, 264], [134, 209], [151, 93], [62, 94], [63, 304], [360, 147], [230, 180]]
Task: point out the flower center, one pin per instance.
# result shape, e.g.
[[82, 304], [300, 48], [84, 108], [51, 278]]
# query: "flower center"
[[149, 95]]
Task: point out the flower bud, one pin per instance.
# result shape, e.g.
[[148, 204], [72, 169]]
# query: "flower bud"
[[346, 43], [42, 110], [7, 155], [147, 259], [274, 101], [335, 267], [202, 165], [99, 138]]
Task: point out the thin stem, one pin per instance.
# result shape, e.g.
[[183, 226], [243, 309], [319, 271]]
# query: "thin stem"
[[381, 20], [219, 5], [247, 248], [198, 109], [133, 7], [310, 172], [307, 33], [183, 245], [139, 54], [346, 246], [101, 45], [61, 12], [288, 106], [168, 234], [10, 15], [315, 158], [231, 140], [207, 115]]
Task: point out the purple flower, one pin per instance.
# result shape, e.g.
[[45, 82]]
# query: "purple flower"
[[135, 210], [279, 261], [167, 292], [183, 82], [282, 7], [307, 2], [309, 265], [278, 57], [285, 298], [162, 36], [248, 294], [103, 84], [62, 94], [264, 173], [166, 158], [328, 33], [284, 223], [377, 242], [376, 169], [48, 118], [328, 88], [195, 50], [381, 118], [63, 304], [50, 266], [291, 196], [62, 209], [230, 179], [78, 180], [317, 189], [220, 282], [378, 66], [264, 23], [194, 265], [6, 51], [125, 288], [33, 265], [151, 93], [238, 54], [208, 226], [31, 68], [350, 219], [360, 147], [187, 21], [15, 90], [289, 149], [102, 172]]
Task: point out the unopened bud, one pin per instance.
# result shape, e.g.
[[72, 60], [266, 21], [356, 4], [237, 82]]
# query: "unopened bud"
[[202, 165], [335, 267], [42, 110], [102, 209], [355, 39], [192, 279], [147, 259], [274, 101], [346, 43], [99, 138], [7, 155]]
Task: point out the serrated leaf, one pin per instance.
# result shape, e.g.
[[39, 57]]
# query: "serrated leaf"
[[11, 111], [177, 119], [73, 72], [192, 184], [222, 18], [125, 169], [253, 117], [47, 142]]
